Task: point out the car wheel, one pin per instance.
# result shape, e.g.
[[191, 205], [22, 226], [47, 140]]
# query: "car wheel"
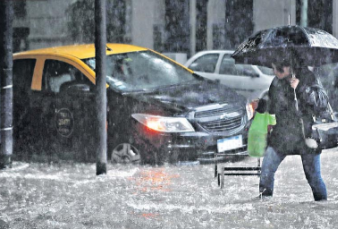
[[126, 153]]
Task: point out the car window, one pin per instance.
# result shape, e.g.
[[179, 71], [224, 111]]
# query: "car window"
[[22, 79], [205, 63], [57, 73], [266, 70], [228, 67], [23, 74], [143, 70], [245, 70]]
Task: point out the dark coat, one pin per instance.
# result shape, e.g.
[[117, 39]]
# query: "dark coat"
[[287, 136]]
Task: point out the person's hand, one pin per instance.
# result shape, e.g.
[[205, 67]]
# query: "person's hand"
[[254, 104], [294, 82], [270, 127]]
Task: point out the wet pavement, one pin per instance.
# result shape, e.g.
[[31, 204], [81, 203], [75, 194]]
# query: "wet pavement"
[[69, 195]]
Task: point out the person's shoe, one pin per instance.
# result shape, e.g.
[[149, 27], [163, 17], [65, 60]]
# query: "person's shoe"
[[261, 197], [321, 200]]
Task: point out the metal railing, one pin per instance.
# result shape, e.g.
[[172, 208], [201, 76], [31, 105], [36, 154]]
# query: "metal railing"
[[221, 171]]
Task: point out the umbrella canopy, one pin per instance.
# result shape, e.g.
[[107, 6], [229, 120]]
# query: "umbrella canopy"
[[312, 47]]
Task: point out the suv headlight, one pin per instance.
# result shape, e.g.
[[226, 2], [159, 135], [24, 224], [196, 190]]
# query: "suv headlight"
[[164, 124], [250, 110]]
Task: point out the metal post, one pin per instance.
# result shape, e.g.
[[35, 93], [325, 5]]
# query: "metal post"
[[100, 93], [303, 21], [192, 27], [6, 69]]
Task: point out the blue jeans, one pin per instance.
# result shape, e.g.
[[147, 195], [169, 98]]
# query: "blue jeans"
[[311, 166]]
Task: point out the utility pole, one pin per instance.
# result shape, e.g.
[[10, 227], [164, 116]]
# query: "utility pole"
[[100, 93], [303, 20], [6, 73]]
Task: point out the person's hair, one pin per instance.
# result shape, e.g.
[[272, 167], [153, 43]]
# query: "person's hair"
[[262, 106], [287, 59], [281, 65]]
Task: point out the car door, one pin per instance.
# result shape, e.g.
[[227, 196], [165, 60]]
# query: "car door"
[[23, 122], [63, 106]]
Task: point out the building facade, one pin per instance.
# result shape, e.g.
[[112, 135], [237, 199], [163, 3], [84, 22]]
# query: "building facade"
[[170, 26]]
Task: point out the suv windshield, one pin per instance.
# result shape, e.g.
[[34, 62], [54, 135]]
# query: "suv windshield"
[[144, 70]]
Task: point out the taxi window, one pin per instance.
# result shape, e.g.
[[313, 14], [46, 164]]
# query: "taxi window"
[[23, 70], [142, 71], [56, 73]]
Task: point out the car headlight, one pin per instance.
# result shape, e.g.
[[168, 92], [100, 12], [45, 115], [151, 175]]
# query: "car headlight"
[[164, 124], [250, 110]]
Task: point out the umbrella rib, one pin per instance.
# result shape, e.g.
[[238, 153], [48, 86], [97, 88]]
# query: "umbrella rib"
[[307, 36], [268, 35]]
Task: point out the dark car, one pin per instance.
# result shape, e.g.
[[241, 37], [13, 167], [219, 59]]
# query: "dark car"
[[157, 109]]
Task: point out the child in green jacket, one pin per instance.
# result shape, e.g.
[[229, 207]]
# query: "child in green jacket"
[[257, 138]]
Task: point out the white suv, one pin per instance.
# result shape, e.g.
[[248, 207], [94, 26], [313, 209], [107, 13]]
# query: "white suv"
[[249, 80]]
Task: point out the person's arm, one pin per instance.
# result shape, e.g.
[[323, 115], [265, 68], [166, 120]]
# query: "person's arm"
[[311, 92], [271, 103]]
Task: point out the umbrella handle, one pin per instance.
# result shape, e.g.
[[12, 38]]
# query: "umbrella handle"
[[296, 100], [295, 95]]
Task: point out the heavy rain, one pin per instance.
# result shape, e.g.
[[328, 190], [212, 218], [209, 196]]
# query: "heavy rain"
[[137, 113]]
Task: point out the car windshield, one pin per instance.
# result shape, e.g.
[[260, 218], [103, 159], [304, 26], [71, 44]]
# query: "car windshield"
[[266, 70], [143, 70]]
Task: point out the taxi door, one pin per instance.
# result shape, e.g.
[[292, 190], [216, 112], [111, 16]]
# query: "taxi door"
[[65, 106]]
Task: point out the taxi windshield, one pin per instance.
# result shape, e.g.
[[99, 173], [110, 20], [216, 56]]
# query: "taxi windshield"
[[142, 71]]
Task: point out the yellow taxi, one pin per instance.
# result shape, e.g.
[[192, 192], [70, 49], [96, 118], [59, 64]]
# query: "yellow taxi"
[[158, 110]]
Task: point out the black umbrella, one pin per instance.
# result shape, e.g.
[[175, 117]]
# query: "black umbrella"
[[303, 45], [313, 47]]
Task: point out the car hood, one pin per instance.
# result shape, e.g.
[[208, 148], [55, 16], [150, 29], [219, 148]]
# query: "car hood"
[[189, 96]]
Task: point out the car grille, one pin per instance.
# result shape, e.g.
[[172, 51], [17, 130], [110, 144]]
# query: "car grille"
[[227, 118], [223, 124], [218, 112]]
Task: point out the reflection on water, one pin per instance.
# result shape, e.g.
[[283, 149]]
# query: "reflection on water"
[[154, 179]]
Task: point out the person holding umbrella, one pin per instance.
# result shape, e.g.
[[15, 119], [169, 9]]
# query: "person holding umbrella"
[[295, 96]]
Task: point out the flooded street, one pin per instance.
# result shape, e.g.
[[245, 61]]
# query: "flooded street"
[[149, 80], [71, 196]]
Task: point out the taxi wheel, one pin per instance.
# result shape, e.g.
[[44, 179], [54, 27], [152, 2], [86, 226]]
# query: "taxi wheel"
[[126, 153]]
